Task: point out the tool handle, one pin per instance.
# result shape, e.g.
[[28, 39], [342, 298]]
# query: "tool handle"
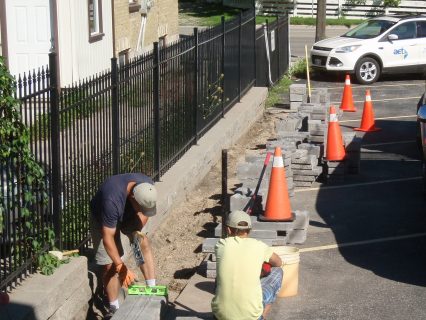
[[67, 253], [249, 206]]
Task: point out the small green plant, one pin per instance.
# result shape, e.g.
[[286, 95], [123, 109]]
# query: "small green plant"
[[46, 262], [297, 69], [214, 97], [18, 161]]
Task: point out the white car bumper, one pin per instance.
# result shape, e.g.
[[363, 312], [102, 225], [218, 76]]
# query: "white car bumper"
[[332, 61]]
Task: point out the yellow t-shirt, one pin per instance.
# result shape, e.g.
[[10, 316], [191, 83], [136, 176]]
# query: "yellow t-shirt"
[[238, 266]]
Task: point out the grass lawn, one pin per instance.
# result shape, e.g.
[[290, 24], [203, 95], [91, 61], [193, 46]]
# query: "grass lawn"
[[195, 13]]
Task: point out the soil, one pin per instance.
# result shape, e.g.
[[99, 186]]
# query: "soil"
[[177, 241]]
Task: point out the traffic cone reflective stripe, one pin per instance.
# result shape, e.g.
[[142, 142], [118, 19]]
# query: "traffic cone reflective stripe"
[[335, 150], [367, 121], [347, 103], [278, 203]]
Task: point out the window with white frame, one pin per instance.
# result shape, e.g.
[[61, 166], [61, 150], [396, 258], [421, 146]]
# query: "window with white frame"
[[134, 6], [95, 20]]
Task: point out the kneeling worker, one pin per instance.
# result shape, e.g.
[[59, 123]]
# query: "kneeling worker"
[[240, 291], [123, 203]]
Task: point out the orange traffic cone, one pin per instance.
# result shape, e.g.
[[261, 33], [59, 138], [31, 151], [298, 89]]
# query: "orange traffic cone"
[[335, 150], [277, 203], [347, 103], [367, 121]]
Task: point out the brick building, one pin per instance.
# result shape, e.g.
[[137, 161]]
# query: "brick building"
[[139, 23]]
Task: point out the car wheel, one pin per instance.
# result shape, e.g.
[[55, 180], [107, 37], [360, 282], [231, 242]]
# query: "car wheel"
[[367, 71]]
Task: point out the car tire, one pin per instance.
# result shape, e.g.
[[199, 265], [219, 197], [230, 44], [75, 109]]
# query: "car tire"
[[367, 71]]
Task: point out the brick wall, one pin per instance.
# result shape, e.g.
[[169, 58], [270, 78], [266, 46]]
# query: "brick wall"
[[162, 19]]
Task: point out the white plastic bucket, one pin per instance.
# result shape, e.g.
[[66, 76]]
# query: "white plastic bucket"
[[290, 257]]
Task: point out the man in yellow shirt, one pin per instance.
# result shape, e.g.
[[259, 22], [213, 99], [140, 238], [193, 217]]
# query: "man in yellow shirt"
[[240, 292]]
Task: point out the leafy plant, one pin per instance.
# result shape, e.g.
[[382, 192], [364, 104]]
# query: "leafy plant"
[[17, 160]]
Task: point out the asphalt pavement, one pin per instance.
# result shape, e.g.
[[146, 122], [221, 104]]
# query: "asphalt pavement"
[[365, 253]]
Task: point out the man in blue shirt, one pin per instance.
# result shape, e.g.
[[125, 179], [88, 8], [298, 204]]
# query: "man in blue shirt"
[[123, 203]]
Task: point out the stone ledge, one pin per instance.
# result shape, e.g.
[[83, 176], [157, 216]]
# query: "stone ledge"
[[63, 295]]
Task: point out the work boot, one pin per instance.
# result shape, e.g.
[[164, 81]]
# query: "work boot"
[[110, 312]]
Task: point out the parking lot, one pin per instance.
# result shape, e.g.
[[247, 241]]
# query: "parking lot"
[[365, 253]]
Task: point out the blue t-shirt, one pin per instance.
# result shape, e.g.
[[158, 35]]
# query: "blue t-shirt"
[[109, 206]]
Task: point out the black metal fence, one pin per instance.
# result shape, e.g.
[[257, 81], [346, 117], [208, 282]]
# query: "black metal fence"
[[139, 117]]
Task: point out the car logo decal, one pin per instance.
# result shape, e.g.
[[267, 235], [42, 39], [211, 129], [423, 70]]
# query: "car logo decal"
[[401, 51]]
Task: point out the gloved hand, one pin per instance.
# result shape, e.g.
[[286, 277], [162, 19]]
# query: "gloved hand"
[[125, 276], [266, 270]]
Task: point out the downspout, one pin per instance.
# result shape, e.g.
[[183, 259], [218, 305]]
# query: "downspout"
[[54, 43], [142, 30], [113, 29], [4, 45]]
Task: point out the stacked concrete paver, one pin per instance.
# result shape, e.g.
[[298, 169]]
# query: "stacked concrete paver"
[[302, 137]]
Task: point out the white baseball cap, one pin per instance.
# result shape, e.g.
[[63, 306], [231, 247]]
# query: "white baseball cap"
[[235, 217], [146, 196]]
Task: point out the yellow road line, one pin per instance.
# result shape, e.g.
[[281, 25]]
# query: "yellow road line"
[[358, 184], [376, 87], [378, 100], [358, 243], [383, 118]]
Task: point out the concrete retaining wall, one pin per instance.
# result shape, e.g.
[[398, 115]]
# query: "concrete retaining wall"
[[188, 172], [63, 295]]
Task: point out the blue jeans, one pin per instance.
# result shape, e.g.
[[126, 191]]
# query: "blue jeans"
[[271, 285]]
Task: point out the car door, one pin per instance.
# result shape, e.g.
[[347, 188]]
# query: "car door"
[[421, 41], [403, 51]]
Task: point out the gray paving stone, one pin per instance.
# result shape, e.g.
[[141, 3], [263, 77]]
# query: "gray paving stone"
[[302, 184], [310, 159], [316, 139], [297, 236], [209, 244], [297, 97], [304, 178], [141, 307], [298, 88]]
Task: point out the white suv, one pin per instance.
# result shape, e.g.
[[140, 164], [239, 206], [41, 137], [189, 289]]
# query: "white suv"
[[385, 44]]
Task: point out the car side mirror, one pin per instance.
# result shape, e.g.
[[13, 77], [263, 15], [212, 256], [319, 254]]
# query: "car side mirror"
[[392, 37], [421, 114]]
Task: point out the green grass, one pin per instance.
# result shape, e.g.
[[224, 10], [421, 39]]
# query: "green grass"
[[210, 14], [336, 22], [281, 87]]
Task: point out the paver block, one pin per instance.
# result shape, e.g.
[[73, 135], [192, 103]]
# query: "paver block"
[[302, 184], [209, 244], [304, 178], [310, 159], [298, 88], [141, 307], [296, 236]]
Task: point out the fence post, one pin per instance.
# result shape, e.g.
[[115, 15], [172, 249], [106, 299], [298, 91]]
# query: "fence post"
[[156, 87], [254, 42], [115, 118], [239, 55], [196, 88], [55, 150], [278, 47], [223, 65], [225, 198]]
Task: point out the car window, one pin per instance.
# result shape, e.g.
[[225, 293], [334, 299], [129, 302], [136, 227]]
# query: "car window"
[[421, 29], [369, 29], [405, 31]]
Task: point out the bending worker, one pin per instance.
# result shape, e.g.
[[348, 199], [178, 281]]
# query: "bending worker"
[[241, 293], [123, 203]]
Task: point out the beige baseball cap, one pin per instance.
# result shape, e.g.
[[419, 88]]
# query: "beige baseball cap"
[[235, 217], [146, 196]]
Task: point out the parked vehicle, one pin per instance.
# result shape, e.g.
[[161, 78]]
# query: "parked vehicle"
[[421, 134], [384, 44]]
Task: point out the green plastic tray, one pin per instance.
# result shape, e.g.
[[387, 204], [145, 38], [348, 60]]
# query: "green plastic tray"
[[148, 291]]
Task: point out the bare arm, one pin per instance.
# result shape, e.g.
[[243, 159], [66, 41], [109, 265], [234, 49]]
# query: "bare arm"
[[275, 260], [110, 246]]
